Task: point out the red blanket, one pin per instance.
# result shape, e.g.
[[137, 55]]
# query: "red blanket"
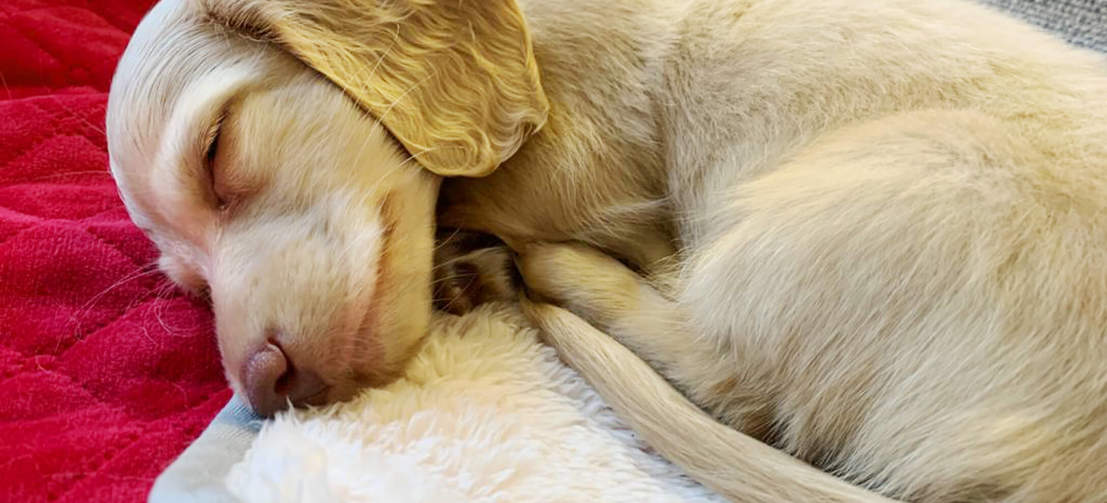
[[106, 372]]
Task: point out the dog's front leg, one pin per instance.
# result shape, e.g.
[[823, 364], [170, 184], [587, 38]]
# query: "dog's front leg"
[[470, 269]]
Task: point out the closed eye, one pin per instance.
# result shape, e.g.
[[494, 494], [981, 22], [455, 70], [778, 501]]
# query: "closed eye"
[[210, 154]]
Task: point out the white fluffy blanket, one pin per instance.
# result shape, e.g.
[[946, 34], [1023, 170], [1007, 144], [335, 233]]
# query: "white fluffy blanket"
[[486, 413]]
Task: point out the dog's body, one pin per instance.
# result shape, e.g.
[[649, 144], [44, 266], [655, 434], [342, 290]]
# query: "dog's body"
[[874, 232], [891, 218]]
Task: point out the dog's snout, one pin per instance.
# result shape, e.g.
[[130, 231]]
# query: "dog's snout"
[[272, 380]]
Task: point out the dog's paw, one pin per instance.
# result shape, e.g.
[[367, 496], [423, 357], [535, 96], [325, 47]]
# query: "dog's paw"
[[581, 279], [471, 269]]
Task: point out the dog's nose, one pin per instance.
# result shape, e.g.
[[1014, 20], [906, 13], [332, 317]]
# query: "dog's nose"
[[272, 380]]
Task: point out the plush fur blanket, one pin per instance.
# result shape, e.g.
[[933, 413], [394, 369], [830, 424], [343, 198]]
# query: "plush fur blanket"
[[486, 413]]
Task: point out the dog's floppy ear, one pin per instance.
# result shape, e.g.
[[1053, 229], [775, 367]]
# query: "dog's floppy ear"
[[454, 80]]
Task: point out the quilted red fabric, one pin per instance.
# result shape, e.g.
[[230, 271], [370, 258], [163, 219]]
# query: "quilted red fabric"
[[106, 372]]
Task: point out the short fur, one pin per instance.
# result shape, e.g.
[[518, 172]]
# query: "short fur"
[[870, 234]]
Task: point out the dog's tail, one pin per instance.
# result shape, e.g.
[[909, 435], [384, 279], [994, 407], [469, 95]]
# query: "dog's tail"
[[733, 464]]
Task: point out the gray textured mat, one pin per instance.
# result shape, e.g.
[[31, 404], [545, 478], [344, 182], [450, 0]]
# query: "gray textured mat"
[[1081, 22]]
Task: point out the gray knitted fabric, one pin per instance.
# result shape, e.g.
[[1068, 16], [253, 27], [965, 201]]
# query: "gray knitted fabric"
[[1081, 22]]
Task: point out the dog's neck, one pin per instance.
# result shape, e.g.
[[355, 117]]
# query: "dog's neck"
[[597, 171]]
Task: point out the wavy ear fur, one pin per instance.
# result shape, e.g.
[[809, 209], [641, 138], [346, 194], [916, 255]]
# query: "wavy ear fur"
[[454, 80]]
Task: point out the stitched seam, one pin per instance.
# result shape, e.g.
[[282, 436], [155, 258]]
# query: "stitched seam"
[[20, 231], [69, 114], [113, 247], [20, 29], [59, 350], [80, 335], [83, 386], [145, 427], [35, 144]]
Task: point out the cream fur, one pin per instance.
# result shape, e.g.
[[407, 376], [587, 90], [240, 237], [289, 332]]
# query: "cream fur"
[[420, 50], [321, 241], [867, 234]]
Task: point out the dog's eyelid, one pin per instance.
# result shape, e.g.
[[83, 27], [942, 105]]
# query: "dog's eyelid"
[[210, 153], [212, 138]]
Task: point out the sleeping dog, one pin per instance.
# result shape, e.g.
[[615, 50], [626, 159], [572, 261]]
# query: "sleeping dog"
[[866, 241]]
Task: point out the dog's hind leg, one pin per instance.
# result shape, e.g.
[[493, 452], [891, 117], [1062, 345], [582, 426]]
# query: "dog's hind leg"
[[624, 305], [736, 465]]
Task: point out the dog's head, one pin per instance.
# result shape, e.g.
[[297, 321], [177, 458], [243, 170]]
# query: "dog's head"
[[285, 156]]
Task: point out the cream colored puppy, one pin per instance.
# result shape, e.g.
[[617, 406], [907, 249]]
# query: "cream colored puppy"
[[871, 235]]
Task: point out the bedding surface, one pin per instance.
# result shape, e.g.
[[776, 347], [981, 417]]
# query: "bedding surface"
[[485, 414], [1081, 22], [105, 376], [106, 372]]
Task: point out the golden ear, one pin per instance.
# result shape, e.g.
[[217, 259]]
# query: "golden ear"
[[454, 80]]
